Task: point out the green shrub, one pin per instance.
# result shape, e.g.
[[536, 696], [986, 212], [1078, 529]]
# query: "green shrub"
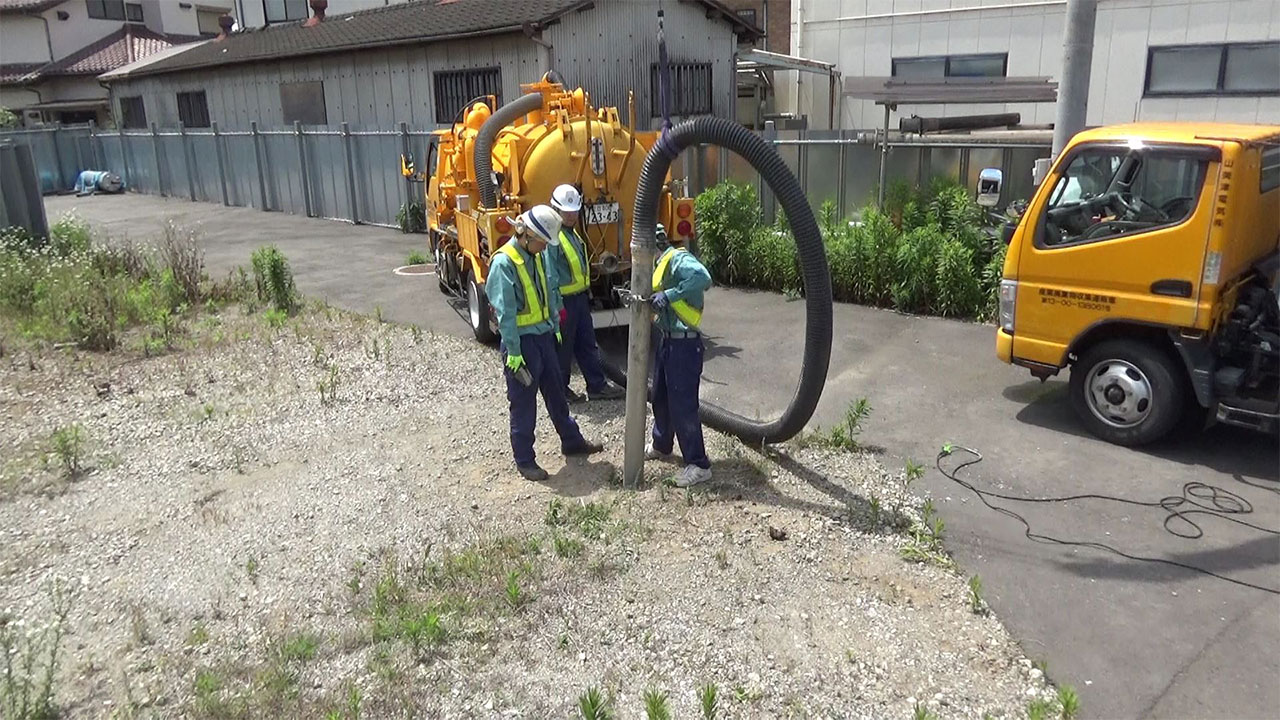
[[412, 218], [274, 279], [925, 252], [69, 235]]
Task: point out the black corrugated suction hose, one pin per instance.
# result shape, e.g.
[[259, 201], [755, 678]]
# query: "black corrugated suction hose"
[[482, 158], [813, 264]]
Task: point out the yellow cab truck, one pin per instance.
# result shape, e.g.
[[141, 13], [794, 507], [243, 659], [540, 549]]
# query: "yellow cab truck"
[[1147, 262], [495, 163]]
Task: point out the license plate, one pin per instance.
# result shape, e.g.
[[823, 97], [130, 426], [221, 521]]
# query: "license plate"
[[603, 214]]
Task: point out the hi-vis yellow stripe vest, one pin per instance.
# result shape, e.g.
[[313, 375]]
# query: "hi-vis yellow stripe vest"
[[578, 282], [535, 308], [687, 313]]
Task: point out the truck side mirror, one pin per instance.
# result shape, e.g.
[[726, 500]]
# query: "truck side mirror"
[[990, 181]]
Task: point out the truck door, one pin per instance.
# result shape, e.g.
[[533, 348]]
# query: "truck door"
[[1122, 236]]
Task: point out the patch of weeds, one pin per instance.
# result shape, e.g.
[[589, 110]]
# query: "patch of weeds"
[[207, 412], [925, 541], [273, 279], [912, 471], [275, 318], [351, 705], [68, 445], [875, 510], [416, 257], [29, 659], [976, 603], [199, 635], [567, 547], [593, 705], [374, 351], [517, 597], [1042, 709], [845, 435], [425, 632], [590, 519], [207, 689], [299, 648], [417, 333], [920, 712], [655, 705], [328, 386], [1068, 702], [745, 695], [722, 559], [708, 701], [1041, 665], [377, 314], [252, 569]]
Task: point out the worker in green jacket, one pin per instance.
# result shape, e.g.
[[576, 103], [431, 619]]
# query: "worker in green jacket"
[[521, 289], [679, 281]]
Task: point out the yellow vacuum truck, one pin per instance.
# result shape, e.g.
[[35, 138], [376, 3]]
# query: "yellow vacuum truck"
[[1147, 262], [494, 164]]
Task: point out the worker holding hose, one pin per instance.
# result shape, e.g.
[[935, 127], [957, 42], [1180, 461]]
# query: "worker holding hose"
[[679, 281], [522, 292], [571, 262]]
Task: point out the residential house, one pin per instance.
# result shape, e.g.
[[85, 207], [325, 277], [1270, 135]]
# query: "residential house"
[[51, 51]]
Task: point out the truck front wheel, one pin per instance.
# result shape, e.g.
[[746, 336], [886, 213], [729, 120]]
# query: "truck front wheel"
[[1127, 392]]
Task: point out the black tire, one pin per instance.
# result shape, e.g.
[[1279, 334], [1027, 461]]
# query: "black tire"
[[442, 269], [1110, 382], [478, 313]]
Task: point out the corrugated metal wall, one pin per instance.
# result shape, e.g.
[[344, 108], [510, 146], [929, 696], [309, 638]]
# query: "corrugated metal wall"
[[369, 89], [609, 49]]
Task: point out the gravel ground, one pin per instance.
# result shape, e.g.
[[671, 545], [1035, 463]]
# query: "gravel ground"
[[233, 539]]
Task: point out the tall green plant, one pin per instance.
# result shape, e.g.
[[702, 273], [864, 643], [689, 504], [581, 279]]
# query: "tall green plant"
[[728, 217], [274, 279]]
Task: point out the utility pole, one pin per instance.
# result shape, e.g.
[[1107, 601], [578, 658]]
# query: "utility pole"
[[1077, 60]]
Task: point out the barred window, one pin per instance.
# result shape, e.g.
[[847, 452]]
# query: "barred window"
[[690, 89], [455, 88], [133, 113], [193, 109]]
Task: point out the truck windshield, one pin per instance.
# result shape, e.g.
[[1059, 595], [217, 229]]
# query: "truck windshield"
[[1107, 192]]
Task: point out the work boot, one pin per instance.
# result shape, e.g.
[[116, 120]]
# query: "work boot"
[[532, 472], [692, 475], [653, 453], [573, 397], [587, 448], [608, 392]]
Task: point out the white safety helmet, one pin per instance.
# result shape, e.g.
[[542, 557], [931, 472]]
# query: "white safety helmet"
[[542, 221], [566, 198]]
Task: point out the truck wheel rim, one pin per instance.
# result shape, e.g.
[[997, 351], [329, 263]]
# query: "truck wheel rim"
[[473, 305], [1118, 393]]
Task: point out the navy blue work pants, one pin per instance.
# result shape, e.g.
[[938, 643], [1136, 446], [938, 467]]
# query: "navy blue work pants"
[[579, 343], [540, 357], [677, 374]]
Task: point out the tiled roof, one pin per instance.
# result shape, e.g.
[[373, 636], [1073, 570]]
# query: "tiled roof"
[[12, 73], [19, 6], [121, 47], [414, 22]]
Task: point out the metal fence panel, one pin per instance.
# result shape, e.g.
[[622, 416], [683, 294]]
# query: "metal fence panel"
[[242, 171], [142, 157], [202, 149], [861, 175]]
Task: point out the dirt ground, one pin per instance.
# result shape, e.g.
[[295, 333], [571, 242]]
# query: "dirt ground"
[[321, 519]]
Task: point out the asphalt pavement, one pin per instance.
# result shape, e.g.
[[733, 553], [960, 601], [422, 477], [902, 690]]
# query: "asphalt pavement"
[[1136, 638]]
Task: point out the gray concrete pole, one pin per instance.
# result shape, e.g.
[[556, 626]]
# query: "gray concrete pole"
[[643, 253], [1077, 60]]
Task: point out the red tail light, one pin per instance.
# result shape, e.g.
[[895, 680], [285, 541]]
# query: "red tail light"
[[685, 228], [684, 210]]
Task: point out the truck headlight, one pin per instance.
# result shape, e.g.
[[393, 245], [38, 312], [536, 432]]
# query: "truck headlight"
[[1008, 298]]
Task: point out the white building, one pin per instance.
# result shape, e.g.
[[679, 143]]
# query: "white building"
[[1152, 59], [51, 51]]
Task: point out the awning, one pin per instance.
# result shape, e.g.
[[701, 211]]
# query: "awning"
[[762, 60], [69, 104]]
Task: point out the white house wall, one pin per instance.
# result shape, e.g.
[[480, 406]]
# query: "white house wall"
[[22, 40], [608, 51], [255, 12], [863, 36], [373, 89]]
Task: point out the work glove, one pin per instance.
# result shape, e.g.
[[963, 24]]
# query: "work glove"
[[559, 339], [515, 362], [659, 300]]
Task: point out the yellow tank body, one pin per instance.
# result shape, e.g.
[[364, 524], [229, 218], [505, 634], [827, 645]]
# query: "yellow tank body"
[[566, 140]]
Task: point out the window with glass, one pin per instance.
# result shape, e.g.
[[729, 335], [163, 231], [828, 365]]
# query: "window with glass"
[[133, 113], [115, 10], [1110, 191], [748, 14], [1230, 69], [193, 109], [952, 66], [278, 11]]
